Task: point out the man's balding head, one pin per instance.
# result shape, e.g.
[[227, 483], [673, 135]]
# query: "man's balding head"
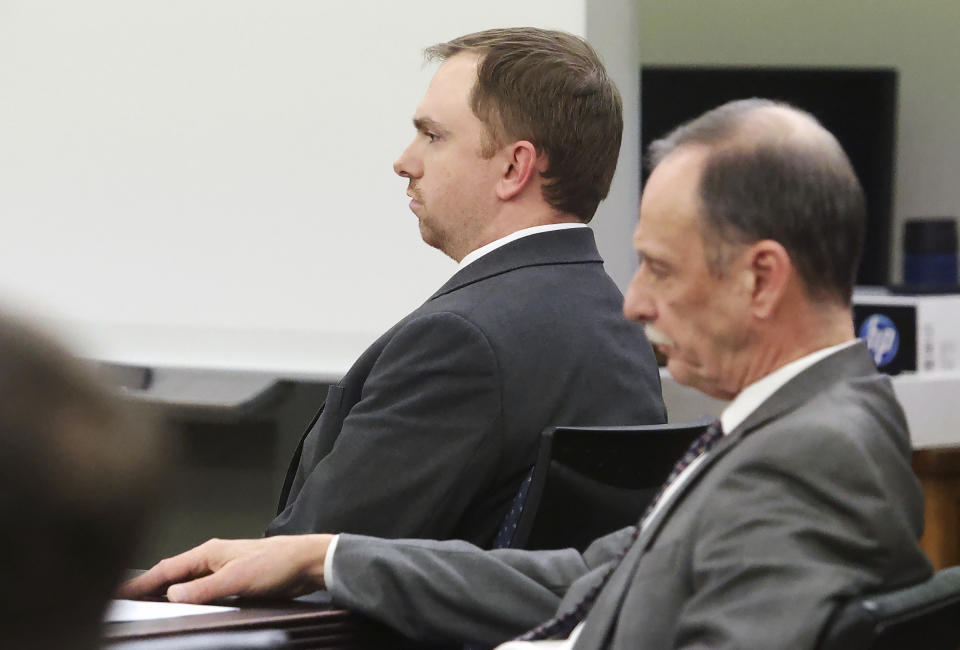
[[773, 172]]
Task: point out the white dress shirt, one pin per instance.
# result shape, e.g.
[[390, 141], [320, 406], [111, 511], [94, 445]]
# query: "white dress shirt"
[[473, 256]]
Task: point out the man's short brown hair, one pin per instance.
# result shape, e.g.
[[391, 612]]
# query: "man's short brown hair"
[[550, 88]]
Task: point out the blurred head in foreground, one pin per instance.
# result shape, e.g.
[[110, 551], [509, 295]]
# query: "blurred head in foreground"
[[77, 471]]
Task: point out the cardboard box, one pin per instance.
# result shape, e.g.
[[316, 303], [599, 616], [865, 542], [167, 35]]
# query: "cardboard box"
[[919, 333]]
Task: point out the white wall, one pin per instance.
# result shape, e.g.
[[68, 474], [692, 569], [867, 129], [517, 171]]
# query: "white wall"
[[918, 38], [613, 29], [208, 183]]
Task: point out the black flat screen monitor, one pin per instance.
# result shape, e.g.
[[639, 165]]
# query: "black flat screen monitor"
[[858, 105]]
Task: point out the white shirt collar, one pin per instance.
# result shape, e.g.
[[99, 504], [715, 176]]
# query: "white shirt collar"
[[483, 250], [751, 397]]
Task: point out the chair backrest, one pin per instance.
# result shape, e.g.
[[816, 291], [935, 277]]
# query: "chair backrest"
[[589, 481], [925, 616]]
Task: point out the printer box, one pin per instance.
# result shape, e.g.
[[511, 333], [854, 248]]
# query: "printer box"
[[916, 333]]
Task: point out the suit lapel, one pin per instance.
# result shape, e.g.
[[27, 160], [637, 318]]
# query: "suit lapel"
[[853, 361], [606, 610], [650, 530], [295, 462], [568, 246]]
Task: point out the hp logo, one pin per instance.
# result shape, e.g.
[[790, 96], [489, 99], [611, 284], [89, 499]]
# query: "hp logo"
[[882, 338]]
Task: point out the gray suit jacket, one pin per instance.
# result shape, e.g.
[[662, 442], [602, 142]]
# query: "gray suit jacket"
[[431, 431], [809, 502]]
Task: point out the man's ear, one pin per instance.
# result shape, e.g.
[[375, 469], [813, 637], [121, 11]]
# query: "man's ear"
[[521, 165], [769, 272]]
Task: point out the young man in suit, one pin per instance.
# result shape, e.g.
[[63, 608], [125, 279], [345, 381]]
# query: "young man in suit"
[[749, 235], [434, 427]]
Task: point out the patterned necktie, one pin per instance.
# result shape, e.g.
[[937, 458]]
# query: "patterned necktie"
[[560, 627]]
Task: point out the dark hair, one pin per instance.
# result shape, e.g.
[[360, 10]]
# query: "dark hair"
[[550, 88], [77, 468], [770, 175]]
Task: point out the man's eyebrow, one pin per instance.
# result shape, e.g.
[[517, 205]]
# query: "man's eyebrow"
[[645, 256], [423, 124]]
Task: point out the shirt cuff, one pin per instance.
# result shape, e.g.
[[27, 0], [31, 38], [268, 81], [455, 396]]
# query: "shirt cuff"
[[328, 563]]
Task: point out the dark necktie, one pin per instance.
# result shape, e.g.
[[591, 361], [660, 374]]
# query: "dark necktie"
[[560, 627]]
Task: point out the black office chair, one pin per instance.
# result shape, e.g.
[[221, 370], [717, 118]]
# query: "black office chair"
[[589, 481], [925, 616]]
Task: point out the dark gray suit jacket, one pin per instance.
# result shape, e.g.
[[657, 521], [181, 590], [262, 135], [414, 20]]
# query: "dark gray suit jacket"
[[431, 431], [807, 503]]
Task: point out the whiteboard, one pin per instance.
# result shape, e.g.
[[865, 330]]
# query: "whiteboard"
[[209, 183]]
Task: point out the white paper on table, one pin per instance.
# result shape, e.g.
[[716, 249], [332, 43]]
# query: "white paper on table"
[[143, 610]]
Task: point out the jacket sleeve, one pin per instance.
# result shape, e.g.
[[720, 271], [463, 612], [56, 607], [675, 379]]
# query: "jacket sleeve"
[[454, 591], [420, 440]]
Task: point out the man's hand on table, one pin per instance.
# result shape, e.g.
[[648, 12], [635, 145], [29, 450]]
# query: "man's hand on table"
[[285, 566]]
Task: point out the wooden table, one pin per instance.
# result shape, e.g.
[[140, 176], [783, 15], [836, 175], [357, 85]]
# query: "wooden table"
[[306, 624]]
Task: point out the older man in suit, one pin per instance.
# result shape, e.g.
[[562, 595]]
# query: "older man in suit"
[[749, 235]]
